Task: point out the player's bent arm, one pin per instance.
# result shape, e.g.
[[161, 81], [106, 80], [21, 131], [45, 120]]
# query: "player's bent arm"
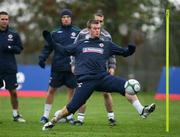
[[46, 51], [111, 71], [68, 50]]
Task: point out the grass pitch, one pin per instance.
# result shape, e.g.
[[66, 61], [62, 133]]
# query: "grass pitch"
[[129, 124]]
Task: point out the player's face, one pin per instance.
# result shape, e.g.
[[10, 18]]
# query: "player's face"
[[95, 30], [4, 21], [66, 20], [100, 19]]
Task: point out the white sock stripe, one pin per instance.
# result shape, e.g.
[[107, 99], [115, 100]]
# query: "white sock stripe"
[[81, 114]]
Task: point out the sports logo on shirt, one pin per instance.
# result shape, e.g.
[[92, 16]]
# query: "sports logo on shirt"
[[73, 35], [101, 45], [79, 84], [10, 37], [93, 50]]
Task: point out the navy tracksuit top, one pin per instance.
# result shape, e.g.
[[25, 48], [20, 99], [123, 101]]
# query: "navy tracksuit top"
[[63, 35], [10, 44], [91, 56]]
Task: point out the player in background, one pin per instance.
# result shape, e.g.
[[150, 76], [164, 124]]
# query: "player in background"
[[111, 66], [61, 73], [90, 70], [10, 44]]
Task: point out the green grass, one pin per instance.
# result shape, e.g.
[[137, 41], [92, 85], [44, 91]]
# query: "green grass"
[[129, 124]]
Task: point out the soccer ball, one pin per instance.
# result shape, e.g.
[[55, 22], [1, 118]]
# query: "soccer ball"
[[132, 86]]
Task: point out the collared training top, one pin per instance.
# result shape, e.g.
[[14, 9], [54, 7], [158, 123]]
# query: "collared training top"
[[104, 36]]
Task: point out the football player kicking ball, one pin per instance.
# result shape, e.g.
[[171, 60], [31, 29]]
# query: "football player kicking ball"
[[90, 69]]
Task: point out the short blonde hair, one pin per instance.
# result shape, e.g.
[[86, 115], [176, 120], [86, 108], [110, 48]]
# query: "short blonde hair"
[[91, 21]]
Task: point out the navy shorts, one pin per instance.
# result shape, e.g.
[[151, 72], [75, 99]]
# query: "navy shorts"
[[10, 80], [86, 88], [59, 79]]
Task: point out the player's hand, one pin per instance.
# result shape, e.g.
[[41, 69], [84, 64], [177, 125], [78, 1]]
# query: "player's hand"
[[42, 64], [72, 68], [111, 71], [131, 49]]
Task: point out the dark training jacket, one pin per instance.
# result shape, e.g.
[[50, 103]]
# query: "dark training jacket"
[[10, 44], [63, 35]]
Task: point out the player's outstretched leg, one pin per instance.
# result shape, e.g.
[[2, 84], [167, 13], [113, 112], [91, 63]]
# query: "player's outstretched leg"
[[61, 114], [143, 111]]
